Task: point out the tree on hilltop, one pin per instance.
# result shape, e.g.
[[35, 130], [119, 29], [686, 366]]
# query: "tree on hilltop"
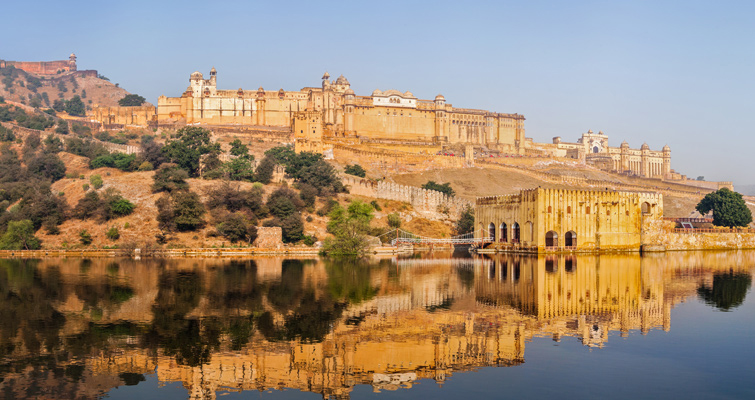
[[729, 208], [131, 100], [75, 107]]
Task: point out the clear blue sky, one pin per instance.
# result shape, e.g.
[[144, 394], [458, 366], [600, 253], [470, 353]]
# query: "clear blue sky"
[[662, 72]]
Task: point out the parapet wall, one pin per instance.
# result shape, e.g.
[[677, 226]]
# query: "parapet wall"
[[423, 200]]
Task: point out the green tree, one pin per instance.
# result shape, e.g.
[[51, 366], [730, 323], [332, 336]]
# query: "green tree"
[[265, 169], [349, 227], [188, 147], [465, 224], [85, 237], [20, 236], [729, 208], [96, 181], [168, 178], [131, 100], [187, 211], [76, 107], [239, 149], [394, 220], [355, 170], [444, 188]]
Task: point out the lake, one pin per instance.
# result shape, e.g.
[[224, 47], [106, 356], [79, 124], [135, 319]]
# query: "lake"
[[434, 325]]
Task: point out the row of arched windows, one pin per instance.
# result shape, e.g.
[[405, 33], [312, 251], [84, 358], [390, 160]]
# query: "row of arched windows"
[[502, 234]]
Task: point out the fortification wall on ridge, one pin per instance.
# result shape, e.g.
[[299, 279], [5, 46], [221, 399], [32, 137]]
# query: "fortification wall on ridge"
[[423, 200]]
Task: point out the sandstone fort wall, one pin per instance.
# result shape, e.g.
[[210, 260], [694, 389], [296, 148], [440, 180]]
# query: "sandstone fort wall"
[[423, 200]]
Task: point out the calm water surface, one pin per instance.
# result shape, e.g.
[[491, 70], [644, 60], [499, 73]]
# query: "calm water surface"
[[679, 325]]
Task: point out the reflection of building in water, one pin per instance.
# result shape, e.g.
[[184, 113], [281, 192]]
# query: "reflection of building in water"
[[584, 296], [426, 320]]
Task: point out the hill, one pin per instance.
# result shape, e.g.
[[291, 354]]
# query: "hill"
[[41, 91]]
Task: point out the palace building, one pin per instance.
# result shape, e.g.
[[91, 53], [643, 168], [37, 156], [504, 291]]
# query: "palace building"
[[338, 112], [549, 220]]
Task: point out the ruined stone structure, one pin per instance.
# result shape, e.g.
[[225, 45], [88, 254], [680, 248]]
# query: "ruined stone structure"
[[139, 115], [593, 148], [339, 112], [43, 67], [542, 220]]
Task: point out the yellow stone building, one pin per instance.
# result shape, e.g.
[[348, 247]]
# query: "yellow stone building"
[[384, 115], [545, 220]]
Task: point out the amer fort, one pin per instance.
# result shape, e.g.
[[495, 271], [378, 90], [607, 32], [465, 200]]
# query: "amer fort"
[[452, 316]]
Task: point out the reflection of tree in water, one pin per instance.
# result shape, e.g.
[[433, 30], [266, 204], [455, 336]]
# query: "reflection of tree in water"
[[349, 279], [26, 305], [188, 339], [98, 295], [728, 291]]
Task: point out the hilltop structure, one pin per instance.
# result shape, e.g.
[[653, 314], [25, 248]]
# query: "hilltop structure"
[[45, 68], [334, 110]]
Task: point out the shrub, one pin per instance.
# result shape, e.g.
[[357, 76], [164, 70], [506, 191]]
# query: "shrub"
[[146, 166], [444, 188], [85, 187], [308, 194], [375, 205], [355, 170], [89, 206], [284, 202], [394, 220], [265, 169], [96, 181], [131, 100], [113, 233], [168, 178], [120, 207], [310, 240], [235, 227], [181, 210], [85, 238], [20, 236]]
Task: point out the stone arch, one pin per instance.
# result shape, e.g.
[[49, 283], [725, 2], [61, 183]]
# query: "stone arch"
[[491, 231], [646, 208], [551, 239], [515, 234], [504, 235], [570, 239]]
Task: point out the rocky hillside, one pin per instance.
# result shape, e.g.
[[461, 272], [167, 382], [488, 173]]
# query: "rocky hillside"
[[41, 91]]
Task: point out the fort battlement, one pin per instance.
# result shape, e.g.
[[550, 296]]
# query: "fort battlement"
[[423, 200], [43, 67]]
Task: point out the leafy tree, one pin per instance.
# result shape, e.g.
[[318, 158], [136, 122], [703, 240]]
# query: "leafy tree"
[[47, 165], [6, 135], [465, 224], [394, 220], [182, 210], [169, 177], [284, 202], [239, 169], [76, 107], [53, 144], [321, 175], [350, 227], [729, 290], [307, 194], [355, 170], [190, 144], [265, 169], [239, 149], [729, 208], [281, 155], [59, 105], [444, 188], [90, 206], [152, 151], [20, 236], [116, 205], [131, 100], [230, 197], [235, 227]]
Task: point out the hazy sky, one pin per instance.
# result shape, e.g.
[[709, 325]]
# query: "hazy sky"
[[662, 72]]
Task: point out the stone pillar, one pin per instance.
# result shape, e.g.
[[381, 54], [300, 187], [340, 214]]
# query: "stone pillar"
[[260, 106]]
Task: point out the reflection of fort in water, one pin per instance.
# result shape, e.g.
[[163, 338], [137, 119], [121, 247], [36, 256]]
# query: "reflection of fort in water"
[[406, 320]]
